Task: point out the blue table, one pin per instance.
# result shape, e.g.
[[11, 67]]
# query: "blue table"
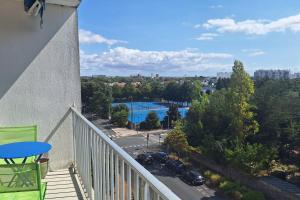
[[11, 151]]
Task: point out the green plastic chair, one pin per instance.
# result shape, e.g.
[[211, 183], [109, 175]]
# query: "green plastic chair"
[[21, 182], [18, 134]]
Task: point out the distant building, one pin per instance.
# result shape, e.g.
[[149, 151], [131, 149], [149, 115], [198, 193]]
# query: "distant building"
[[272, 74], [221, 75], [156, 75], [295, 75]]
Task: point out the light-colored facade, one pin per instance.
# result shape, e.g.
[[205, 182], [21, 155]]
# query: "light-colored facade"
[[272, 74], [39, 73], [40, 84]]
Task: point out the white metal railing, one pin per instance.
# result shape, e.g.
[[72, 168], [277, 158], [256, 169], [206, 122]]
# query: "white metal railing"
[[107, 171]]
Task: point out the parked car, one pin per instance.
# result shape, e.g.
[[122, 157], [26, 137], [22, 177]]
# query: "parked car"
[[175, 165], [193, 177], [160, 156], [145, 158]]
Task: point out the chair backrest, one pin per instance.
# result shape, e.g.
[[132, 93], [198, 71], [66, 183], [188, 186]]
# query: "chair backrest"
[[20, 178], [18, 134]]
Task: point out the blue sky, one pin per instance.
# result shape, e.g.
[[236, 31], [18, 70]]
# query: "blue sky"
[[191, 37]]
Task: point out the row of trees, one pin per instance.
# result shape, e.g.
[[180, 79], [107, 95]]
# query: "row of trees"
[[96, 97], [97, 94], [153, 89], [244, 123]]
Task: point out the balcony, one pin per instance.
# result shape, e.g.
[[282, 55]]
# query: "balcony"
[[102, 170]]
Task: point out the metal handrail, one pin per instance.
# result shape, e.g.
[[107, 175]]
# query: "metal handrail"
[[162, 190]]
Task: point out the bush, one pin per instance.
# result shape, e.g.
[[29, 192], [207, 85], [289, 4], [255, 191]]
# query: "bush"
[[237, 195], [215, 179], [207, 174], [252, 195], [228, 186]]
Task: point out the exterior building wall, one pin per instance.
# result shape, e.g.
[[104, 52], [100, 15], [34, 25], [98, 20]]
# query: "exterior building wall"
[[39, 74], [272, 74]]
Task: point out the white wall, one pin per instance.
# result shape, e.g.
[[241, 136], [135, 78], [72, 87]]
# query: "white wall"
[[39, 74]]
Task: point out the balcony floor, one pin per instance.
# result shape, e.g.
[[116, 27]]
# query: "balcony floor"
[[63, 185]]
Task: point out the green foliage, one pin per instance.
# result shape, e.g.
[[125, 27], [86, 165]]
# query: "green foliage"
[[250, 157], [96, 97], [222, 83], [215, 179], [176, 141], [251, 195], [236, 191], [241, 90], [172, 116], [152, 121], [194, 120], [120, 115], [278, 108]]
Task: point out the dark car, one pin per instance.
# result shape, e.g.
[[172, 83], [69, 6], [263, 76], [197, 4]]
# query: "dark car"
[[193, 177], [175, 165], [160, 156], [145, 159]]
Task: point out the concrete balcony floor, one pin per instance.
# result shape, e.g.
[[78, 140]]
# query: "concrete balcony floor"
[[63, 185]]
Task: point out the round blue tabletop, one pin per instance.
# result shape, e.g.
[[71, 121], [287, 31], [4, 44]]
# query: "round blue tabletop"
[[23, 149]]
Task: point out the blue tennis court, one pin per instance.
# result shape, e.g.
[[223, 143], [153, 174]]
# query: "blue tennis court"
[[140, 110]]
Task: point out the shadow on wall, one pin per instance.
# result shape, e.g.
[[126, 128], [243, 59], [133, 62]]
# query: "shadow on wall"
[[22, 39]]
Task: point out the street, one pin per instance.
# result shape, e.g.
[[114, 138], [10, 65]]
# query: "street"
[[137, 144]]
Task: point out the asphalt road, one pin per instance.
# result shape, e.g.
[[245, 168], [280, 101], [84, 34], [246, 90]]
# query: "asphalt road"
[[135, 145]]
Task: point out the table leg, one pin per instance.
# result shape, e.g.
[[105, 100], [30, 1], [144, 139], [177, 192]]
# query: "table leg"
[[39, 158]]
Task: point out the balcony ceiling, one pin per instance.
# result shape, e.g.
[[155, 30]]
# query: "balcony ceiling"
[[72, 3]]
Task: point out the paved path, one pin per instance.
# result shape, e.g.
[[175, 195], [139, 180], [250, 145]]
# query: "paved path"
[[283, 185]]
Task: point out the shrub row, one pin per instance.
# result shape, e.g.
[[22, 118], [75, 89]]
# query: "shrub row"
[[231, 188]]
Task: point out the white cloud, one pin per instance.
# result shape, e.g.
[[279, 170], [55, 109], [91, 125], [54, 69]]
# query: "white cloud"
[[253, 27], [88, 37], [216, 6], [121, 60], [254, 52], [207, 36]]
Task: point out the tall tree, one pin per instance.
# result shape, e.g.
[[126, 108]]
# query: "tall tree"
[[241, 86]]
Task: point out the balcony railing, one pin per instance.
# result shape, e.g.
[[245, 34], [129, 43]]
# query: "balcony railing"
[[107, 171]]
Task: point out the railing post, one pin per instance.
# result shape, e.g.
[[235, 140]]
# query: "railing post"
[[117, 177], [122, 180], [136, 187], [98, 161], [146, 191], [112, 186], [128, 182]]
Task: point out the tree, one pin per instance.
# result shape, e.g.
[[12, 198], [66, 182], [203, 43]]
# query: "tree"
[[172, 116], [101, 100], [120, 115], [222, 83], [171, 91], [176, 141], [241, 90], [194, 121], [251, 157], [189, 90], [152, 121]]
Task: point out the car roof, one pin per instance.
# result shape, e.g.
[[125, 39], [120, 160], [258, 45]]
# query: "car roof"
[[195, 173]]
